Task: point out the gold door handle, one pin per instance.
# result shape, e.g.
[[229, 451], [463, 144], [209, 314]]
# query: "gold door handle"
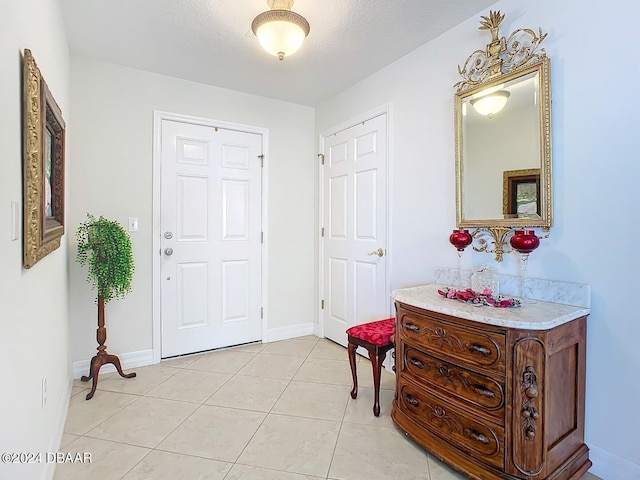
[[378, 252]]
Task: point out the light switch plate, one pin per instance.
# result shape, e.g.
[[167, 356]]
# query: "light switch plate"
[[15, 220], [133, 224]]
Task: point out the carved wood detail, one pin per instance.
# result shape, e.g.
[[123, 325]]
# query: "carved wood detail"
[[528, 454], [529, 411]]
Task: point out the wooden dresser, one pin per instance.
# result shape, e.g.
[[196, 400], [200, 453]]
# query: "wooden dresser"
[[497, 393]]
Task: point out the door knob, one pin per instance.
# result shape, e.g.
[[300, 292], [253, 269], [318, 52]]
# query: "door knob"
[[168, 251], [378, 252]]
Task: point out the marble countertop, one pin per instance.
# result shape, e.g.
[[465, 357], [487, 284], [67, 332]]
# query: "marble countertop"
[[533, 316]]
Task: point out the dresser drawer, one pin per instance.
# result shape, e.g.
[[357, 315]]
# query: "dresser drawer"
[[462, 345], [455, 426], [477, 390]]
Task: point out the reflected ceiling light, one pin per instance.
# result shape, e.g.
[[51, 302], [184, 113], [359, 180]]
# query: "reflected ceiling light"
[[279, 30], [490, 104]]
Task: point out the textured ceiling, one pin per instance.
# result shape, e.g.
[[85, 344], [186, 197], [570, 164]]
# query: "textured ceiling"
[[210, 41]]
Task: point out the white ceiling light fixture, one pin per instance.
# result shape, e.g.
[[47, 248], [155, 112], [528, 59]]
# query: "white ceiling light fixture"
[[490, 104], [279, 30]]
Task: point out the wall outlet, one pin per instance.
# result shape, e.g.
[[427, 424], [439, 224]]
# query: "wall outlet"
[[44, 391]]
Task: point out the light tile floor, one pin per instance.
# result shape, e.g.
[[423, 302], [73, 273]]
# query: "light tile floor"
[[279, 411]]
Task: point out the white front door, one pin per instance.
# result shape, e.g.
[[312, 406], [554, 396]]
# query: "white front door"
[[354, 250], [210, 220]]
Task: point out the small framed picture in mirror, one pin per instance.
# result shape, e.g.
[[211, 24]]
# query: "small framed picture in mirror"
[[521, 193]]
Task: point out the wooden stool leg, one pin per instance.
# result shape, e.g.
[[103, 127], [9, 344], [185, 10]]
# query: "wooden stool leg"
[[376, 357], [352, 362]]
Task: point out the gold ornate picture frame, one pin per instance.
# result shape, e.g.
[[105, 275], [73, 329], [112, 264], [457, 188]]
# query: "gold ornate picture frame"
[[521, 193], [43, 165]]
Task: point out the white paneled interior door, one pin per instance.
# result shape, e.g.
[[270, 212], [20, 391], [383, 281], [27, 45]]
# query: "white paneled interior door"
[[354, 245], [210, 217]]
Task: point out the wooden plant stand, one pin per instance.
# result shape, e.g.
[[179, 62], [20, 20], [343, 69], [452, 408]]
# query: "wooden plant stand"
[[102, 357]]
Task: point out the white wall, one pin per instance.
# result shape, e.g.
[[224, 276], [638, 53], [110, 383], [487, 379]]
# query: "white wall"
[[33, 303], [594, 63], [113, 107]]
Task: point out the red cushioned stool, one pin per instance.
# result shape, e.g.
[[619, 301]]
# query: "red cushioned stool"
[[377, 338]]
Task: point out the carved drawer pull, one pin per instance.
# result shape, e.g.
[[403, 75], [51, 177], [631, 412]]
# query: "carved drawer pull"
[[411, 400], [416, 362], [411, 327], [478, 437], [483, 391], [475, 348]]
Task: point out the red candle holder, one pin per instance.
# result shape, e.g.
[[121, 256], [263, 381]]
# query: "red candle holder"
[[461, 239], [524, 242]]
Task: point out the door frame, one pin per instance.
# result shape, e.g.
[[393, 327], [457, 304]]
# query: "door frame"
[[158, 117], [376, 112]]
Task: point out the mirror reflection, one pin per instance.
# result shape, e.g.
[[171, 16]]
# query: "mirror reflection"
[[500, 128], [503, 153]]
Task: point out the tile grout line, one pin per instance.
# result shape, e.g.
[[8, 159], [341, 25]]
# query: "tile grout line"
[[179, 424], [274, 404], [144, 395], [200, 404]]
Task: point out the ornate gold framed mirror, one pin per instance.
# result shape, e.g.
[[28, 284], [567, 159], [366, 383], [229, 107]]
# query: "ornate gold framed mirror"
[[43, 166], [503, 138]]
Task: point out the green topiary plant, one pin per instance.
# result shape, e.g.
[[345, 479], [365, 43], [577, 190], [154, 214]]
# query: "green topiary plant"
[[105, 247]]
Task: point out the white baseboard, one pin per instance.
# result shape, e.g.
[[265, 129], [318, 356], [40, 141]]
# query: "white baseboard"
[[610, 466], [285, 333], [49, 469], [141, 358], [316, 330]]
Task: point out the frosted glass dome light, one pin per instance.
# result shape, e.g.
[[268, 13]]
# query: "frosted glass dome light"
[[279, 30], [490, 104]]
